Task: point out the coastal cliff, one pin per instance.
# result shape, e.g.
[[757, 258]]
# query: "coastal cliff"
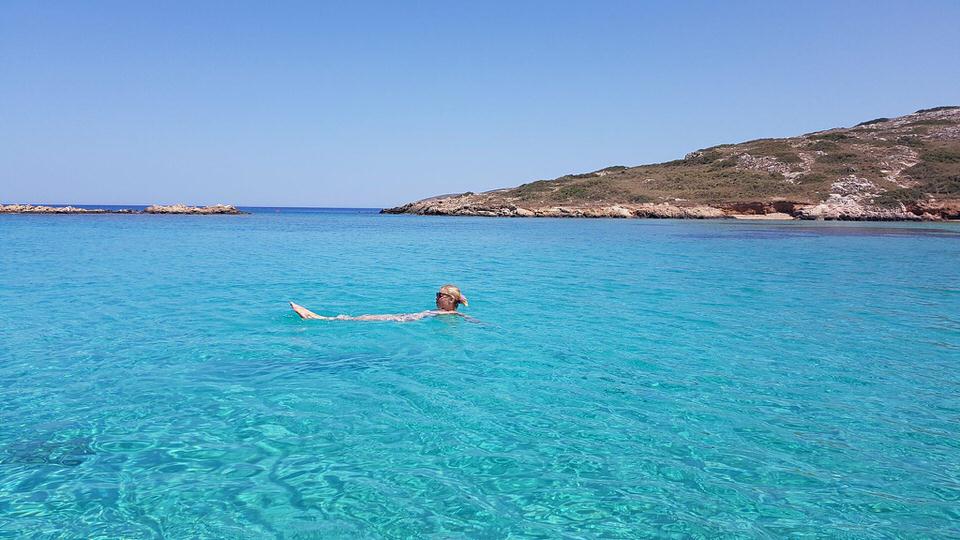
[[154, 209], [889, 169]]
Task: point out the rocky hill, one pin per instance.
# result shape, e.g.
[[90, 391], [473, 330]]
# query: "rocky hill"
[[905, 168]]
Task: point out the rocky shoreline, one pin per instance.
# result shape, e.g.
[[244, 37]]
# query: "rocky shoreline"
[[180, 209], [834, 210]]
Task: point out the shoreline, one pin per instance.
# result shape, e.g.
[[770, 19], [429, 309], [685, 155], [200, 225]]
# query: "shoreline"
[[465, 205]]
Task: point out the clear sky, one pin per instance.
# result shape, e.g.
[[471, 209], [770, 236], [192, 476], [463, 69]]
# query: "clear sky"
[[375, 104]]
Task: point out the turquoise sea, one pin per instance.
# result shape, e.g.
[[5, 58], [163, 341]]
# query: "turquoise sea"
[[628, 379]]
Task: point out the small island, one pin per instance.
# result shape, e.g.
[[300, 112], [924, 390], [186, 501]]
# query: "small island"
[[182, 209], [885, 169]]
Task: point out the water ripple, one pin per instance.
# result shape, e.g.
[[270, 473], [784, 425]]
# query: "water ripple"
[[632, 380]]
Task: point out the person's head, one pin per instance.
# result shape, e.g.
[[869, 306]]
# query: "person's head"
[[449, 297]]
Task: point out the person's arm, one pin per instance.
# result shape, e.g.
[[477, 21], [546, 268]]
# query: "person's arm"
[[468, 318], [399, 317], [437, 312], [305, 313]]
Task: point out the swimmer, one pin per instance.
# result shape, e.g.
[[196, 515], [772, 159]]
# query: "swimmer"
[[448, 299]]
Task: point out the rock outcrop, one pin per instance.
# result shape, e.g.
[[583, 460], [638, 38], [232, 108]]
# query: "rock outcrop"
[[836, 209], [155, 209], [464, 205], [184, 209], [40, 209], [890, 169]]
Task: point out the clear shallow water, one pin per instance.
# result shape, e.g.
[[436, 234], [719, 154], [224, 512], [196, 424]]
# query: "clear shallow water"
[[631, 378]]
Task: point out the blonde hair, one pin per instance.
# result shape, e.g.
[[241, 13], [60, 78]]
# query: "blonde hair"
[[453, 292]]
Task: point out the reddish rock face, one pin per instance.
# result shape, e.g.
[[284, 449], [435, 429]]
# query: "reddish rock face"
[[748, 208], [946, 209]]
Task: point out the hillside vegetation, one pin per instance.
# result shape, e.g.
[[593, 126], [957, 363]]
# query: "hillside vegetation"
[[888, 168]]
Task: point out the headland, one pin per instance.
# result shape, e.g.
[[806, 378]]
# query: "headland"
[[886, 169]]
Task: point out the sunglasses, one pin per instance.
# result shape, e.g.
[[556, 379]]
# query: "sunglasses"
[[439, 294]]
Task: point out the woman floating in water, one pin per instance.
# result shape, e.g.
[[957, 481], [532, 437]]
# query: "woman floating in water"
[[448, 299]]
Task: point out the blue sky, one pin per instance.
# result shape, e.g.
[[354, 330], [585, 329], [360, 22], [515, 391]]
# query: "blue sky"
[[374, 104]]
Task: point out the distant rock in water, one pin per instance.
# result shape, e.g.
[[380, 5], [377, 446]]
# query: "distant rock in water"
[[887, 169], [39, 209], [184, 209], [155, 209]]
